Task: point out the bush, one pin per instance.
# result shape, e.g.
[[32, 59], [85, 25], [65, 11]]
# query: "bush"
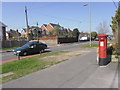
[[114, 53]]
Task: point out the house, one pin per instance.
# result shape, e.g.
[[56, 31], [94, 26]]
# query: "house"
[[84, 34], [55, 28], [49, 28], [45, 31], [13, 34], [44, 27], [63, 31], [33, 33], [52, 26], [68, 30], [36, 31], [2, 31]]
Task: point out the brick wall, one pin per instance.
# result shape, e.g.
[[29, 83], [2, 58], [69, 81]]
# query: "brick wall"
[[49, 40]]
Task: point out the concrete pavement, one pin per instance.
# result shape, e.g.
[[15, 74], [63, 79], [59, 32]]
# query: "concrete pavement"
[[79, 72]]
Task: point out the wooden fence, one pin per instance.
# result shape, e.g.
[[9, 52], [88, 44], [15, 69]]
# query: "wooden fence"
[[9, 44]]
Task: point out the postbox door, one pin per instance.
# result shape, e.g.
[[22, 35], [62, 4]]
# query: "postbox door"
[[102, 48]]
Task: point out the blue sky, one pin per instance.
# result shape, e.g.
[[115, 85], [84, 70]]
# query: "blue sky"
[[67, 14]]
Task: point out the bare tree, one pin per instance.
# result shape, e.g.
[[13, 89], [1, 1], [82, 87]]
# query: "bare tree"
[[103, 28]]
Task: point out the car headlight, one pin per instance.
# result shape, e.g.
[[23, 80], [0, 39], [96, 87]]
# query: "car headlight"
[[13, 50], [18, 51]]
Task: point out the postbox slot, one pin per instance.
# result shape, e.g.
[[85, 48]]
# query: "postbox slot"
[[101, 39]]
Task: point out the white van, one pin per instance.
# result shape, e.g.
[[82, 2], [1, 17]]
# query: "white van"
[[83, 38]]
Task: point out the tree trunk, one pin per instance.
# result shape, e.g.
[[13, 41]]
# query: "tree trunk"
[[118, 38]]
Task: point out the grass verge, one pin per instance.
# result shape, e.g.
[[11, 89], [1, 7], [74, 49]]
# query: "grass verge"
[[88, 46], [28, 65]]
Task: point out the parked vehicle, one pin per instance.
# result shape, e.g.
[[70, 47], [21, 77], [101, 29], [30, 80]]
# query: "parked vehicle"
[[30, 48], [96, 39], [109, 38], [83, 38]]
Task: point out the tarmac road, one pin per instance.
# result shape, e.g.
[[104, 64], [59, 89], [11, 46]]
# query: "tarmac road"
[[68, 46]]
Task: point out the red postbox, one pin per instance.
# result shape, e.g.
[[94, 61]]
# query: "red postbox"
[[102, 50]]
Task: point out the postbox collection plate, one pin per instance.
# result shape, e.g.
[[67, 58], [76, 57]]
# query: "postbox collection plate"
[[102, 44]]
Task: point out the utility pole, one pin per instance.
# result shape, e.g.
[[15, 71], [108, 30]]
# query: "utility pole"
[[27, 31]]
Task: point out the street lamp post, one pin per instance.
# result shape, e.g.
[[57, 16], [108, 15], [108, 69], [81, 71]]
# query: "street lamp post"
[[89, 21]]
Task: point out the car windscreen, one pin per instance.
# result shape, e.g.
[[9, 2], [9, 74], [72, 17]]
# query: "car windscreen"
[[27, 44]]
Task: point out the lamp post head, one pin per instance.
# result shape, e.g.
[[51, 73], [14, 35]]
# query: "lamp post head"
[[85, 5]]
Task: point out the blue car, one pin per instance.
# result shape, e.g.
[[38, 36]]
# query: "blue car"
[[31, 47]]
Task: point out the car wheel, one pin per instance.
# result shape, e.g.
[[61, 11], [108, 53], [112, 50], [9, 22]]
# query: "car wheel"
[[25, 53]]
